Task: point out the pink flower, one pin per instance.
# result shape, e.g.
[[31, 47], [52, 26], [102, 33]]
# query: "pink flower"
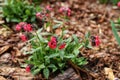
[[62, 46], [39, 15], [118, 4], [22, 23], [28, 69], [48, 8], [47, 15], [66, 10], [62, 9], [18, 27], [23, 38], [27, 27]]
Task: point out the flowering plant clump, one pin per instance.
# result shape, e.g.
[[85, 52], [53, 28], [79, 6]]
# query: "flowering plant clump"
[[19, 11], [24, 26], [51, 53]]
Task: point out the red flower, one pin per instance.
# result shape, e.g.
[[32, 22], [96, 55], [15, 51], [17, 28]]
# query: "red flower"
[[18, 27], [53, 39], [118, 4], [97, 41], [28, 69], [23, 38], [52, 44], [62, 46], [27, 27]]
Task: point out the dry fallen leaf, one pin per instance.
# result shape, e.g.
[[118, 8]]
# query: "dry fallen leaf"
[[16, 73], [5, 58], [4, 48], [2, 78], [58, 31], [5, 32], [109, 73]]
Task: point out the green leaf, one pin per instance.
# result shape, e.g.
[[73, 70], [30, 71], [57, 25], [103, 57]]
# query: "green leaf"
[[76, 49], [69, 56], [86, 43], [81, 61], [47, 60], [8, 19], [46, 73], [53, 55], [15, 20], [33, 19], [56, 26], [62, 54], [115, 32], [42, 66], [36, 71], [68, 41], [56, 21], [61, 65], [87, 35], [53, 67], [38, 9], [75, 38]]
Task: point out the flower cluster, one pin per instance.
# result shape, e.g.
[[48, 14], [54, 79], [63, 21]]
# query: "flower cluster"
[[24, 26], [39, 15], [48, 9], [53, 43], [66, 10]]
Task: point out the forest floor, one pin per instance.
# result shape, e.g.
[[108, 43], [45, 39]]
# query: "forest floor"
[[88, 15]]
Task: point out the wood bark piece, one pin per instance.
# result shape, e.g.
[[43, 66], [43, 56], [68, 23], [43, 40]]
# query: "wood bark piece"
[[69, 74], [2, 78], [4, 48], [15, 73]]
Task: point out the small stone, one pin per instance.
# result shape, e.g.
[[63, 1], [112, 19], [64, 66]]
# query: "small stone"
[[115, 7]]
